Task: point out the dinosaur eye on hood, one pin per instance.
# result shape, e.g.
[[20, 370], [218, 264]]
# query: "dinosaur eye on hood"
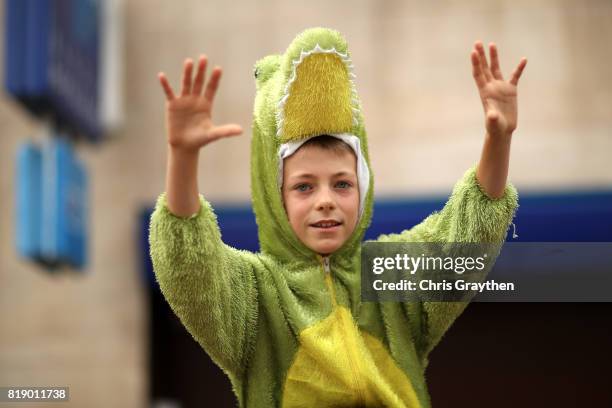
[[265, 68]]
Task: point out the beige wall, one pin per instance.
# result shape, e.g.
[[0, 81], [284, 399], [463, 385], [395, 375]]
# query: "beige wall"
[[423, 115]]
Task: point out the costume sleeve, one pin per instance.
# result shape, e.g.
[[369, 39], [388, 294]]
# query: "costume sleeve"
[[209, 285], [468, 216]]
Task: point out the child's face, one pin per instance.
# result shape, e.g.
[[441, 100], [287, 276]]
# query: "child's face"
[[321, 197]]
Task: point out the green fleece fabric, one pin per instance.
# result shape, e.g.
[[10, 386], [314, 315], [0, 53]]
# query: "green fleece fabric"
[[263, 317]]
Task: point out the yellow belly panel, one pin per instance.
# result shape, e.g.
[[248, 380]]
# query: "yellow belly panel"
[[338, 365]]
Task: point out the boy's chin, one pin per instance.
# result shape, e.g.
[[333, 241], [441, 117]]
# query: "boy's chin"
[[327, 248]]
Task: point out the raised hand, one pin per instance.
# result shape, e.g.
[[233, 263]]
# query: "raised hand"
[[497, 95], [189, 122]]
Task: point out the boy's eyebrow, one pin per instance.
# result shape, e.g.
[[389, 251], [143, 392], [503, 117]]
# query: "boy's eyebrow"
[[312, 176]]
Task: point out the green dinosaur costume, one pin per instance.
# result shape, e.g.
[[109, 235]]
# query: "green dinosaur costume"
[[286, 325]]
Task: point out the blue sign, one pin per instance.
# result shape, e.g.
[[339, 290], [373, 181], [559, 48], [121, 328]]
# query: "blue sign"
[[52, 204], [52, 60]]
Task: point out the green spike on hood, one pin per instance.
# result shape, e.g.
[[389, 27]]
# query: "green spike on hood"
[[306, 92]]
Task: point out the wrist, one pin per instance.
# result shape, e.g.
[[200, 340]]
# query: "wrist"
[[503, 139], [182, 181], [183, 152]]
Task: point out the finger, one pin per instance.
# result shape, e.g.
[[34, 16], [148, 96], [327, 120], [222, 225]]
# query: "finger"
[[483, 61], [219, 132], [516, 75], [476, 71], [495, 62], [200, 75], [187, 70], [166, 86], [213, 84]]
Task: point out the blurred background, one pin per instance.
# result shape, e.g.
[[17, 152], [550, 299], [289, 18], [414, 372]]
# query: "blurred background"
[[85, 312]]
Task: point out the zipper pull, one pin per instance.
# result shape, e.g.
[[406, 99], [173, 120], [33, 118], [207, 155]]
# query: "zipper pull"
[[326, 264]]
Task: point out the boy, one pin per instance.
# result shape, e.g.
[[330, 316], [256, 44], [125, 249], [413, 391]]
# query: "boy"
[[287, 325]]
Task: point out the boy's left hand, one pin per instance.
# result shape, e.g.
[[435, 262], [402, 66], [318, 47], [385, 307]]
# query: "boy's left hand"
[[498, 96]]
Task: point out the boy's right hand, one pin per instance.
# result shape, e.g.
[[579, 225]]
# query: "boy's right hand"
[[189, 123]]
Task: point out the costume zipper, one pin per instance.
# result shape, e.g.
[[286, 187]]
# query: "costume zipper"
[[326, 267], [332, 291]]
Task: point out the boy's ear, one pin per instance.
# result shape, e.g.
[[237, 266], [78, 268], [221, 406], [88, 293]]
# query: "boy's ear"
[[265, 68]]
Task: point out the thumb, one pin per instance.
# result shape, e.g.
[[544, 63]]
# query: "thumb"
[[219, 132]]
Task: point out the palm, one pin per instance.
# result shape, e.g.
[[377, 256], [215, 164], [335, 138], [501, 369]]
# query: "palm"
[[498, 97], [189, 116]]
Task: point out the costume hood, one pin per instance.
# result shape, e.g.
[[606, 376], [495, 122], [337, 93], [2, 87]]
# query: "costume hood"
[[305, 92]]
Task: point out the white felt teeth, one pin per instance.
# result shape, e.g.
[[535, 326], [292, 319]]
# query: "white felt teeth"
[[303, 54]]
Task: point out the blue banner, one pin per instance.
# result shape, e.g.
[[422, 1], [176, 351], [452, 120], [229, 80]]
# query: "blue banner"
[[52, 60]]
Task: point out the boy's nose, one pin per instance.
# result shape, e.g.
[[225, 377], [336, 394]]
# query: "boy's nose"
[[325, 201]]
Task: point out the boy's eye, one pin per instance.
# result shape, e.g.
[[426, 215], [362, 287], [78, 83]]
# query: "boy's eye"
[[302, 187], [343, 184]]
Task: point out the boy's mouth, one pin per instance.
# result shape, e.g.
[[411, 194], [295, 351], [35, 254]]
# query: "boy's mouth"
[[326, 224]]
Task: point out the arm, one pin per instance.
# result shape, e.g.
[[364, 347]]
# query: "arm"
[[210, 286], [482, 203], [469, 215], [189, 127], [499, 102]]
